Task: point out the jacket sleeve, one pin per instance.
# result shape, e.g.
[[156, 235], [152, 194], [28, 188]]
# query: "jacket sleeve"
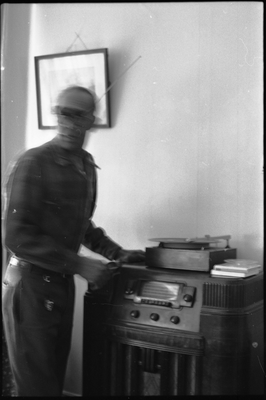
[[23, 234], [96, 240]]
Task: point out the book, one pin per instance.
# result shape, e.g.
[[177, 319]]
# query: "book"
[[240, 262], [232, 267], [234, 274]]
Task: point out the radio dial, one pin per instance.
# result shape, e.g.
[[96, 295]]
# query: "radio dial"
[[134, 313], [154, 316]]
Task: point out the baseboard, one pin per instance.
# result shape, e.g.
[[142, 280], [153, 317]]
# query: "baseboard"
[[69, 394]]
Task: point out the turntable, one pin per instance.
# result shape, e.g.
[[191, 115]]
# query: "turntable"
[[195, 254]]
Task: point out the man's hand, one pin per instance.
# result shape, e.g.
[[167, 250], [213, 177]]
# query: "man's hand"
[[130, 256], [96, 272]]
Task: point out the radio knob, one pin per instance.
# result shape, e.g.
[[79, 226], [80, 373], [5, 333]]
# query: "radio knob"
[[188, 298], [134, 313], [175, 319], [154, 317]]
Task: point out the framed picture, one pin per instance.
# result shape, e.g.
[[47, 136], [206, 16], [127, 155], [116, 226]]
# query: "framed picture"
[[58, 71]]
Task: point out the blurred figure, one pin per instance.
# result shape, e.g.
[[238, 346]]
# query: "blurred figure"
[[51, 199]]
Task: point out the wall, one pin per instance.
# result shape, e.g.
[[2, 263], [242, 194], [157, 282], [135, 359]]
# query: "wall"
[[14, 78], [15, 33], [184, 155]]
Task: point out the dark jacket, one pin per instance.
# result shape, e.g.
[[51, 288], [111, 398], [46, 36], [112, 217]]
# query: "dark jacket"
[[50, 203]]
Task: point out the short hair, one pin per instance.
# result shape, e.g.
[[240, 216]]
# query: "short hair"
[[70, 89], [73, 88]]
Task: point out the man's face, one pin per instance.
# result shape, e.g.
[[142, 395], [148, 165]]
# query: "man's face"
[[74, 119]]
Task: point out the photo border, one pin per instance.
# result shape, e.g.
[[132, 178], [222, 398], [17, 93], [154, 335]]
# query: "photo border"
[[55, 72]]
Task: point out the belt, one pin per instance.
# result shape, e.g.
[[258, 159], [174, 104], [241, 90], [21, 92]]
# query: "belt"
[[47, 272]]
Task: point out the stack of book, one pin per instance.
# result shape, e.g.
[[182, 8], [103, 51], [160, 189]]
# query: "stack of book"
[[236, 269]]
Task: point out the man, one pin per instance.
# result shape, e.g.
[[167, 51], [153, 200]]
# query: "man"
[[51, 199]]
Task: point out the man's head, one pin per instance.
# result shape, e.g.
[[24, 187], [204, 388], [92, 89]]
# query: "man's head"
[[74, 108]]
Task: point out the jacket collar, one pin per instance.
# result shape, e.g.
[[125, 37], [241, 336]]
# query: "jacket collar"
[[61, 156]]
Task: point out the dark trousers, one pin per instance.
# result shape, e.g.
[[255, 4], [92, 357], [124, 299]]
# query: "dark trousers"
[[37, 309]]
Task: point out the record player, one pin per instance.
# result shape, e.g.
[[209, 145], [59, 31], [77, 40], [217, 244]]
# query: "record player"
[[192, 254]]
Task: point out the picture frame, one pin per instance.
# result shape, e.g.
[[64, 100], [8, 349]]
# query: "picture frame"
[[55, 72]]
